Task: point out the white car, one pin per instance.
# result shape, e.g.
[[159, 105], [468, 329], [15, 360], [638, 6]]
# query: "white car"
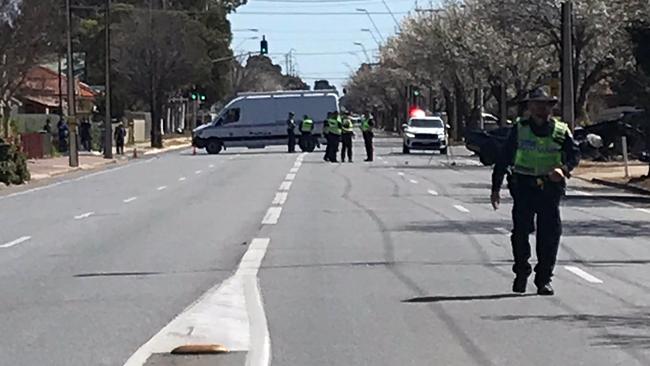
[[425, 133]]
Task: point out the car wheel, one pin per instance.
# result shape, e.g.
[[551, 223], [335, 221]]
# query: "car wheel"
[[443, 151], [406, 150], [213, 146]]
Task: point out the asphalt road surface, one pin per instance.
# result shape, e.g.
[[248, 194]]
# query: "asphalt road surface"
[[284, 259]]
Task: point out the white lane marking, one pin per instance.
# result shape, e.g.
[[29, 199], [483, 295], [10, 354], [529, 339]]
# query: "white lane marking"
[[294, 170], [285, 186], [385, 162], [643, 210], [84, 215], [413, 181], [211, 166], [380, 158], [461, 208], [290, 176], [161, 188], [198, 172], [502, 230], [584, 275], [109, 170], [230, 314], [272, 215], [280, 198], [130, 199], [10, 244], [432, 192], [401, 174], [297, 164], [621, 204], [181, 179], [581, 193]]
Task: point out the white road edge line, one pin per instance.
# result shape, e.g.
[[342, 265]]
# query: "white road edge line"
[[272, 215], [230, 313], [432, 192], [161, 188], [130, 199], [461, 208], [290, 176], [581, 193], [584, 275], [413, 181], [181, 179], [280, 198], [502, 230], [643, 210], [285, 186], [10, 244], [198, 172], [620, 204], [84, 215]]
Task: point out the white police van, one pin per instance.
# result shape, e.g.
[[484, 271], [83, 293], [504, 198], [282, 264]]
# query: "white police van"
[[257, 120]]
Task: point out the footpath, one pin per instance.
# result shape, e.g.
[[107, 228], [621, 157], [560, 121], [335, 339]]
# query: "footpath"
[[613, 174]]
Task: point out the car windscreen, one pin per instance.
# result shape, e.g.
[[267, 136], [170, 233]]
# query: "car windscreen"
[[429, 123]]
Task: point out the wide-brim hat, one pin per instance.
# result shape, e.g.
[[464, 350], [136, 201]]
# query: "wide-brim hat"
[[540, 95]]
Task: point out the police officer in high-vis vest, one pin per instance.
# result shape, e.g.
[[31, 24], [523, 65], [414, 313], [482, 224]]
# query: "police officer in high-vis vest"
[[334, 136], [538, 157], [367, 124], [347, 133], [306, 127]]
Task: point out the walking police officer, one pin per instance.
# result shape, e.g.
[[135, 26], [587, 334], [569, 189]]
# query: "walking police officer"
[[291, 126], [347, 133], [367, 124], [333, 124], [538, 157]]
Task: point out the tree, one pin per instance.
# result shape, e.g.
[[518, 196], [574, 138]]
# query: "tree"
[[260, 74], [156, 54], [26, 31]]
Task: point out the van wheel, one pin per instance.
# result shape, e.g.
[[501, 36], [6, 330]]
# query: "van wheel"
[[406, 150], [213, 147], [307, 145]]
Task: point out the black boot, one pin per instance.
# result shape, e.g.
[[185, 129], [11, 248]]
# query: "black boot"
[[519, 284], [545, 289]]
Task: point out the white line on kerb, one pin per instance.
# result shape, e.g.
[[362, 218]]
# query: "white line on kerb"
[[230, 313], [294, 170], [198, 172], [285, 186], [272, 215], [161, 188], [461, 208], [432, 192], [643, 210], [280, 198], [413, 181], [84, 215], [15, 242], [130, 199], [584, 275], [290, 176], [502, 230], [581, 193], [181, 179]]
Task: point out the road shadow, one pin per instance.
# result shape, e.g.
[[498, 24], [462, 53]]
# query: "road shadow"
[[625, 331], [593, 228], [570, 200], [431, 299]]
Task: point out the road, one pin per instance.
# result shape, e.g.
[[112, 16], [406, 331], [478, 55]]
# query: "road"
[[288, 260]]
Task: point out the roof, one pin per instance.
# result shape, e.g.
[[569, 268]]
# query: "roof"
[[51, 102], [41, 81]]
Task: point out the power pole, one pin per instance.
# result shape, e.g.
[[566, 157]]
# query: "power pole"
[[72, 123], [568, 101], [108, 127]]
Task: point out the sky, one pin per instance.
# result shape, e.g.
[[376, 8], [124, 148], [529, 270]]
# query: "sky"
[[322, 42]]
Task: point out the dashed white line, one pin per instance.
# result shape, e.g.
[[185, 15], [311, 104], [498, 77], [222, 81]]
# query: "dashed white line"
[[643, 210], [401, 174], [10, 244], [461, 208], [198, 172], [211, 166], [181, 179], [385, 162], [280, 198], [294, 170], [161, 188], [130, 199], [502, 230], [413, 181], [84, 215], [290, 176], [272, 215], [432, 192], [285, 186], [297, 164], [584, 275]]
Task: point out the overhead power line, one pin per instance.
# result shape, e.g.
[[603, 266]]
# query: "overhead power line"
[[325, 53], [319, 13]]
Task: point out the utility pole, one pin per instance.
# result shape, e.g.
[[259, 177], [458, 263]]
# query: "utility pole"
[[108, 127], [568, 102], [503, 100], [72, 123]]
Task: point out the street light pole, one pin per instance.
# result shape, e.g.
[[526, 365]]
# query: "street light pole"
[[365, 52], [108, 128], [72, 123], [372, 21], [568, 102], [372, 34]]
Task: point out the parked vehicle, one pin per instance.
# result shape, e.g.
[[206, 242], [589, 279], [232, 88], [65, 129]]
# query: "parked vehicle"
[[425, 133]]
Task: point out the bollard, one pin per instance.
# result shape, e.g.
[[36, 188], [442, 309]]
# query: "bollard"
[[193, 150], [625, 159], [135, 153]]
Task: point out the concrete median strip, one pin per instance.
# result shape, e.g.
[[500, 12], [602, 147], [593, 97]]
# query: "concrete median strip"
[[10, 244], [229, 316]]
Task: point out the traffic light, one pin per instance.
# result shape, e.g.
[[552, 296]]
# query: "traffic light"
[[194, 96], [264, 46], [202, 97]]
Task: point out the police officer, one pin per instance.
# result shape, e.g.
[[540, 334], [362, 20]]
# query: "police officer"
[[347, 132], [334, 136], [291, 126], [306, 127], [538, 156], [367, 124]]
